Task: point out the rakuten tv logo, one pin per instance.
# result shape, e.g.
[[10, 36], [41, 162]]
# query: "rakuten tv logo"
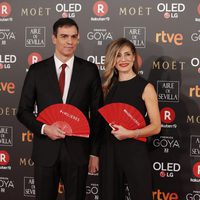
[[197, 19], [167, 115], [33, 58], [169, 38], [196, 169], [100, 8], [196, 173], [4, 158], [5, 9]]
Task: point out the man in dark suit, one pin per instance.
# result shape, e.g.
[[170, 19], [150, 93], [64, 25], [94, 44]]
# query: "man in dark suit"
[[54, 154]]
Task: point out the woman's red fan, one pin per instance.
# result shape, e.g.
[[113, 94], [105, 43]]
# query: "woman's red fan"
[[66, 117], [125, 115]]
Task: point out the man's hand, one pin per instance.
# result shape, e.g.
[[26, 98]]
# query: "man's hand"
[[93, 166], [54, 132]]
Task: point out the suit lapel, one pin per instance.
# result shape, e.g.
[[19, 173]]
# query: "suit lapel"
[[53, 80], [74, 79]]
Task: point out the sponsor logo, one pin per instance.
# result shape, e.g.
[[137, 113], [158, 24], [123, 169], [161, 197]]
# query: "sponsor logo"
[[197, 19], [99, 35], [38, 12], [29, 187], [165, 195], [6, 184], [35, 36], [7, 60], [27, 136], [34, 57], [6, 136], [196, 173], [135, 11], [166, 143], [167, 117], [194, 91], [6, 35], [169, 38], [195, 195], [168, 91], [4, 160], [195, 146], [171, 10], [93, 189], [99, 61], [7, 87], [166, 170], [163, 64], [193, 119], [195, 62], [7, 111], [5, 12], [195, 37], [137, 35], [100, 9], [26, 162], [196, 169], [68, 10]]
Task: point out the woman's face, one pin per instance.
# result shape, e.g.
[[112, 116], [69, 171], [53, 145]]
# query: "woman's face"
[[124, 60]]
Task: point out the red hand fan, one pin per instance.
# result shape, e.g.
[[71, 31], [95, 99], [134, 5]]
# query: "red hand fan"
[[66, 117], [125, 115]]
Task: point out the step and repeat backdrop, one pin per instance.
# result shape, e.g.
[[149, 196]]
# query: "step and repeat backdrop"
[[167, 36]]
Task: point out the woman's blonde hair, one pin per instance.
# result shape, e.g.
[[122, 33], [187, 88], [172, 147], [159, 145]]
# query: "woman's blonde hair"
[[110, 74]]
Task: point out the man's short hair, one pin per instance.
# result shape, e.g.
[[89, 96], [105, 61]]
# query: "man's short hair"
[[64, 22]]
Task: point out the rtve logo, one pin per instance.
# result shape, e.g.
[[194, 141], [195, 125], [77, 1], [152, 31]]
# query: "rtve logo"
[[5, 9], [167, 115], [194, 91], [172, 38], [4, 158], [8, 87], [158, 195], [27, 136]]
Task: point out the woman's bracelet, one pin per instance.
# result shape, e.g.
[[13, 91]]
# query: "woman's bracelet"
[[137, 133]]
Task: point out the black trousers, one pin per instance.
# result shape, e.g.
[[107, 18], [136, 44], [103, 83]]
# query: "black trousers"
[[73, 177], [125, 162]]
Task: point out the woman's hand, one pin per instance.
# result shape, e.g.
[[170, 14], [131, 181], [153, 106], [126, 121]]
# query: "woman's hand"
[[120, 132]]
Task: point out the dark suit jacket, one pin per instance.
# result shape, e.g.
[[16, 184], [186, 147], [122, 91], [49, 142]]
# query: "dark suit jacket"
[[41, 88]]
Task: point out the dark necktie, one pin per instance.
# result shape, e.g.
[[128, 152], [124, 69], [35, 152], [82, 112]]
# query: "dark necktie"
[[62, 79]]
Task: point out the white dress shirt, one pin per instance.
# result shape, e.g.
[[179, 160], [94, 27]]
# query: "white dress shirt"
[[68, 75]]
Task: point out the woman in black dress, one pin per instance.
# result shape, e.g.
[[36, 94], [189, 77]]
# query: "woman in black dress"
[[123, 157]]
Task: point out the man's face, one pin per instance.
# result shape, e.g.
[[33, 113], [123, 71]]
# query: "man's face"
[[66, 41]]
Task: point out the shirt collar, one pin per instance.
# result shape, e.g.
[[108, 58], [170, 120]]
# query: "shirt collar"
[[58, 63]]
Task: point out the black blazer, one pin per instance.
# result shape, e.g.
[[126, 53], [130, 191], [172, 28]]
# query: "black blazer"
[[41, 87]]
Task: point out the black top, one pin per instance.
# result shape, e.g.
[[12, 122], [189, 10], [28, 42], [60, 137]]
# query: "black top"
[[129, 92]]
